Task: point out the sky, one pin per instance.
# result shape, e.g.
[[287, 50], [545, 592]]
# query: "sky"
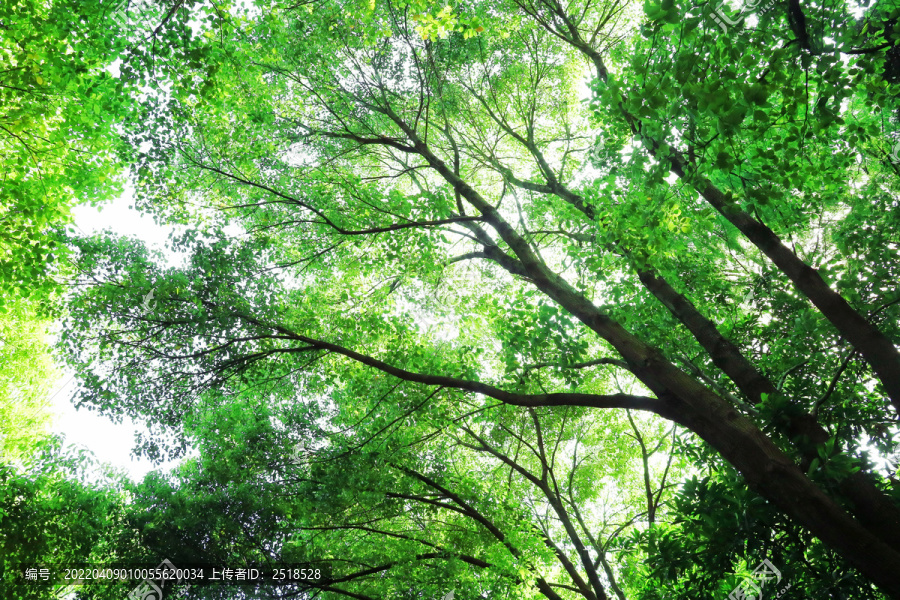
[[110, 442]]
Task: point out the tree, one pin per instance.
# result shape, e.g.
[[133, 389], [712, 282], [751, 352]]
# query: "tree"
[[27, 375], [72, 69], [57, 130], [57, 510], [420, 193], [453, 497]]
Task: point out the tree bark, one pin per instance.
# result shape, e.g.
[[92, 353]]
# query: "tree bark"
[[872, 344], [765, 467], [872, 507]]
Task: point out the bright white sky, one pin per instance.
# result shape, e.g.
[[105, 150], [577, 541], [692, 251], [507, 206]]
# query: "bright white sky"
[[110, 442]]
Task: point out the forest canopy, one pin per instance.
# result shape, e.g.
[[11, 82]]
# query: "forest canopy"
[[518, 299]]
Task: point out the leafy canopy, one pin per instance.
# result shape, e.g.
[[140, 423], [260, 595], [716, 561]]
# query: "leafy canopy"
[[431, 257]]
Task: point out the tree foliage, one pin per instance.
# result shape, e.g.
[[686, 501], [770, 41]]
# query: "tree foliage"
[[27, 375], [481, 262], [57, 508], [57, 131]]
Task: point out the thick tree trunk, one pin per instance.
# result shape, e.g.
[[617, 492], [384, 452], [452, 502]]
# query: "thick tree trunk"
[[874, 346], [773, 476], [872, 508], [765, 467]]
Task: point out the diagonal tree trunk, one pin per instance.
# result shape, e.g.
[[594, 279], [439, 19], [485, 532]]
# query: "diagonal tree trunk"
[[872, 344], [765, 467], [872, 507]]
